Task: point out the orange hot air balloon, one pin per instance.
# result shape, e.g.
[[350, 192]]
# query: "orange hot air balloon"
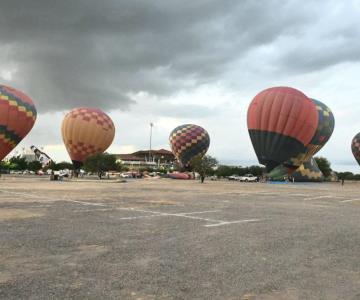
[[86, 131], [17, 117]]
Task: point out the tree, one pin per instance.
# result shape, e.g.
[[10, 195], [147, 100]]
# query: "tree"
[[101, 163], [18, 163], [203, 165], [65, 165], [324, 165], [34, 166]]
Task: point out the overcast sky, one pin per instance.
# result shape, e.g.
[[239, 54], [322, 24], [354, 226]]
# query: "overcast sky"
[[174, 62]]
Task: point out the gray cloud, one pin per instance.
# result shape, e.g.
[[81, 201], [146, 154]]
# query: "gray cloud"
[[71, 53]]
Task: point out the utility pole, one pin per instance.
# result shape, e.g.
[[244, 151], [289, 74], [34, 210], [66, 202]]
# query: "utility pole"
[[151, 126]]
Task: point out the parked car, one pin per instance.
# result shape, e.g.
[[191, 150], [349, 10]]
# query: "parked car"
[[234, 177], [249, 178]]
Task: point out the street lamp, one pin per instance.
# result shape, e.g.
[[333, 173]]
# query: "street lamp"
[[151, 126]]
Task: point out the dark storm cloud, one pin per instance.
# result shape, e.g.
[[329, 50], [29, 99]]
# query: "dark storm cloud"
[[95, 53]]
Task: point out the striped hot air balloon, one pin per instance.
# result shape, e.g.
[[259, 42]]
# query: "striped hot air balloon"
[[17, 117], [86, 131], [282, 122], [188, 141]]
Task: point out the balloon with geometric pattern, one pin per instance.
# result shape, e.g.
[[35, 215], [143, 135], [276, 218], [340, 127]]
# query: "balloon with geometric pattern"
[[86, 132], [308, 172], [324, 130], [17, 117], [188, 141], [355, 147], [281, 123]]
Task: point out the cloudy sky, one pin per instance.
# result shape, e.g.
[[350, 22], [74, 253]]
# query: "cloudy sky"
[[174, 62]]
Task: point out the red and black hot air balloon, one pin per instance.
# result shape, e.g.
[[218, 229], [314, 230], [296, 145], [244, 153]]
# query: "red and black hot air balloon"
[[355, 147], [17, 117], [281, 123], [188, 141]]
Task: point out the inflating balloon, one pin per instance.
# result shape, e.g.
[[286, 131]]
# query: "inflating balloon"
[[188, 141], [86, 131], [308, 172], [17, 117], [281, 123], [324, 130], [355, 147]]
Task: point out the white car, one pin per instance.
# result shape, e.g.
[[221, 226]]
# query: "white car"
[[249, 178], [234, 177]]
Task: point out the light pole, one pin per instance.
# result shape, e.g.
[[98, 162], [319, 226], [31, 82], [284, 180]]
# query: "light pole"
[[151, 126]]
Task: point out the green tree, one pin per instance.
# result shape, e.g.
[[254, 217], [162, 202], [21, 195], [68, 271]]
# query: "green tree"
[[64, 165], [100, 163], [324, 165], [203, 165], [34, 166], [4, 167], [18, 163]]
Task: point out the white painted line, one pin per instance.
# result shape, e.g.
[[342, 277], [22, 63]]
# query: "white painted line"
[[233, 222], [350, 200], [28, 195], [319, 197], [86, 203], [157, 213], [198, 212], [92, 210], [140, 217]]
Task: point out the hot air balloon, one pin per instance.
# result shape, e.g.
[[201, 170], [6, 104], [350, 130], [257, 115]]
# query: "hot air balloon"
[[355, 147], [324, 130], [308, 172], [281, 123], [86, 131], [17, 117], [188, 141]]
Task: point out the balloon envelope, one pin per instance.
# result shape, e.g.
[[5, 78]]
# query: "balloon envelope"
[[355, 147], [86, 131], [281, 123], [188, 141], [324, 130], [308, 172], [17, 117]]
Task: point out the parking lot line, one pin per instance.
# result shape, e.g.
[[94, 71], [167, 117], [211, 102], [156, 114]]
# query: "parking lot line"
[[232, 222], [87, 203], [350, 200], [319, 197]]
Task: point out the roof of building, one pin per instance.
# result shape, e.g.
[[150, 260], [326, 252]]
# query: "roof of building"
[[129, 157], [159, 152]]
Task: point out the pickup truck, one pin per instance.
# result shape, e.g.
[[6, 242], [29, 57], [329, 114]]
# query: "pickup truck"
[[248, 178]]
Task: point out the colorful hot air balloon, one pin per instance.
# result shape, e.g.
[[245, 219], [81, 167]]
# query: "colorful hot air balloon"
[[188, 141], [308, 172], [281, 123], [86, 131], [324, 130], [355, 147], [17, 117]]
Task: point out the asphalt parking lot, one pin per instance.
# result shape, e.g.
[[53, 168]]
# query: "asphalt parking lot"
[[173, 239]]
